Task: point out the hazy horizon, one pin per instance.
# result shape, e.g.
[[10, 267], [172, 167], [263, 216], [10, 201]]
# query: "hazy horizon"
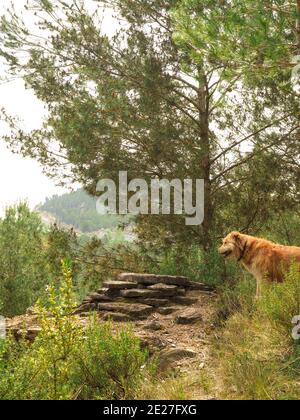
[[23, 178]]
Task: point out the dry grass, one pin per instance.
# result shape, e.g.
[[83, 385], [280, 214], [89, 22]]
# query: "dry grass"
[[257, 358], [197, 385]]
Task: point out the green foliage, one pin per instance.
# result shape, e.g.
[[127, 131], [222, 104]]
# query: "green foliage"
[[197, 265], [23, 269], [109, 364], [215, 102], [78, 209], [68, 362], [284, 228], [258, 37], [60, 244], [31, 256]]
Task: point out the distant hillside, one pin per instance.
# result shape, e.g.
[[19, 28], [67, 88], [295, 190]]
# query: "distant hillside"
[[78, 209]]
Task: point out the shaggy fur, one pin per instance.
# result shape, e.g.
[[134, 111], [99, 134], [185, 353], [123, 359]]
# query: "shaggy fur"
[[262, 258]]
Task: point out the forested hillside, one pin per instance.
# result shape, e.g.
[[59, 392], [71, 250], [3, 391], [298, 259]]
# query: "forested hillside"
[[78, 209]]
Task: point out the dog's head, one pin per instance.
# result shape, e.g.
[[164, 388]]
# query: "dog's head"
[[232, 245]]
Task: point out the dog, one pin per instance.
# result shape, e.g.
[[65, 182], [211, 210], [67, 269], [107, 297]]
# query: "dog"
[[264, 259]]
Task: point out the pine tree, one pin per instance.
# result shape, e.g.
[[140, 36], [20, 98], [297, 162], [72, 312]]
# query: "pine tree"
[[179, 91]]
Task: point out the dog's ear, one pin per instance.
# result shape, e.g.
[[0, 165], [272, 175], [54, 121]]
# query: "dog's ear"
[[236, 236]]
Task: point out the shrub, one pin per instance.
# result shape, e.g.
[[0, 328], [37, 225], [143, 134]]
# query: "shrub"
[[23, 269], [67, 361], [108, 363], [207, 267]]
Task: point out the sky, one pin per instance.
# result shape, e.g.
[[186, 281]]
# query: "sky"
[[22, 178]]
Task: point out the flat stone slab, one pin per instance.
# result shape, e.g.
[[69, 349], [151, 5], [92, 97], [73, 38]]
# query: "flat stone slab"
[[181, 291], [29, 334], [154, 326], [147, 293], [134, 310], [166, 289], [116, 317], [103, 291], [183, 300], [111, 293], [97, 297], [87, 307], [189, 316], [168, 310], [119, 285], [156, 303], [153, 279]]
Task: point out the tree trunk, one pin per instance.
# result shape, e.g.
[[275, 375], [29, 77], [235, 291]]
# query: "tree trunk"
[[298, 27], [298, 48], [206, 240]]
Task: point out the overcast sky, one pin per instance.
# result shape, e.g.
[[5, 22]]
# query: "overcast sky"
[[22, 178]]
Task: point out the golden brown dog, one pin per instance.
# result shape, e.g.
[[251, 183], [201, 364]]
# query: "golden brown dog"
[[262, 258]]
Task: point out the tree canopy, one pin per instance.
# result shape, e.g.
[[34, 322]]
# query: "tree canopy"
[[171, 94]]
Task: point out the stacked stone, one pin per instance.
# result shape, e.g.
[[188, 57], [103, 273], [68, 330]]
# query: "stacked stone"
[[136, 296]]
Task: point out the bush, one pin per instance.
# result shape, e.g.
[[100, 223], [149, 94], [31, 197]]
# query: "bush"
[[67, 361], [108, 364], [208, 267], [23, 269]]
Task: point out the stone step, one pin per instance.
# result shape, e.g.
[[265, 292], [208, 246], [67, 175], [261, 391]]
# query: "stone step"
[[134, 310], [86, 307], [111, 293], [164, 289], [119, 285], [116, 317], [147, 294], [156, 303], [185, 301], [103, 291], [181, 291], [168, 310], [30, 333], [189, 316], [151, 279], [96, 297]]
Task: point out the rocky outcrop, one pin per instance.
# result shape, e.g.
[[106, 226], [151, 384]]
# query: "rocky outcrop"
[[156, 303], [174, 327], [119, 285], [160, 307], [151, 279], [134, 310], [139, 295]]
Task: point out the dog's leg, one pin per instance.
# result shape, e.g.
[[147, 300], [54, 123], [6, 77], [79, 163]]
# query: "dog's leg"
[[258, 288]]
